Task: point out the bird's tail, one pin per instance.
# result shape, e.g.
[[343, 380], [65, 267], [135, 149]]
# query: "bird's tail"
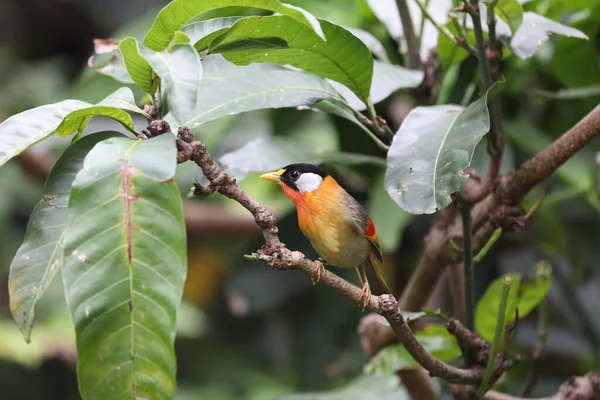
[[376, 264]]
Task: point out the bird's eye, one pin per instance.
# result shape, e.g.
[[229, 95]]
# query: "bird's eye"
[[294, 174]]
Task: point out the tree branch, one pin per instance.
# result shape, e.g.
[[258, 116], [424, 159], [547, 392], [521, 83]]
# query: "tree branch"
[[277, 256], [576, 388], [412, 44], [497, 209]]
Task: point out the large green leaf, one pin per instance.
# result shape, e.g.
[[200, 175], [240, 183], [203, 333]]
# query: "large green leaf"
[[511, 12], [23, 130], [125, 266], [138, 68], [228, 89], [434, 338], [180, 72], [202, 33], [112, 106], [179, 12], [389, 219], [40, 256], [283, 40], [271, 153], [387, 78], [429, 152]]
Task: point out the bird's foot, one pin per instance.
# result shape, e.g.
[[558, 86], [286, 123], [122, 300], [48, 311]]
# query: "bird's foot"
[[318, 270], [365, 295]]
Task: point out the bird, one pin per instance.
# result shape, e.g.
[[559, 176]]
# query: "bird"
[[337, 226]]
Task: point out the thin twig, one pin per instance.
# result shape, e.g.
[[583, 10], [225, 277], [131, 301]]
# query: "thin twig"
[[489, 369], [467, 222], [412, 45], [537, 205], [486, 248]]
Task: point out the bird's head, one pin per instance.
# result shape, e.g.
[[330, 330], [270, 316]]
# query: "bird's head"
[[298, 179]]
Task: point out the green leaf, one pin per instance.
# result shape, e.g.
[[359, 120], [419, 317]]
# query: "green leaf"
[[178, 12], [228, 89], [372, 43], [270, 153], [364, 387], [434, 338], [282, 40], [486, 312], [180, 71], [139, 69], [387, 78], [389, 219], [40, 256], [534, 32], [112, 107], [511, 12], [429, 152], [23, 130], [533, 291], [202, 33], [107, 60], [125, 266]]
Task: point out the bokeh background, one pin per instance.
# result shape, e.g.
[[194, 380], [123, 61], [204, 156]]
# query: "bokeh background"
[[247, 332]]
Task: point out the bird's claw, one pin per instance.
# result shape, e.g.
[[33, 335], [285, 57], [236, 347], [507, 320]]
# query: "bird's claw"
[[365, 296], [318, 270]]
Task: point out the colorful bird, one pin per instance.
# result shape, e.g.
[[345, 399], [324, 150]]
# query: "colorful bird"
[[337, 226]]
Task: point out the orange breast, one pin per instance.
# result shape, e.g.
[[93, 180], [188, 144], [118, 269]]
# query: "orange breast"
[[324, 221]]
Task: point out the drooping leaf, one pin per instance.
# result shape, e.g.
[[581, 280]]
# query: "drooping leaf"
[[138, 68], [372, 43], [534, 32], [386, 387], [486, 311], [387, 78], [107, 60], [389, 219], [125, 266], [178, 12], [228, 89], [23, 130], [511, 12], [282, 40], [112, 106], [434, 338], [429, 152], [40, 256], [180, 72], [202, 33], [271, 153], [532, 291]]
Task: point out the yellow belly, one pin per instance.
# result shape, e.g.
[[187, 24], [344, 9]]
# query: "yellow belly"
[[334, 238]]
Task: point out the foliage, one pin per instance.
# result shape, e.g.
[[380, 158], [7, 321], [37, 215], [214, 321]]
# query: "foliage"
[[263, 91]]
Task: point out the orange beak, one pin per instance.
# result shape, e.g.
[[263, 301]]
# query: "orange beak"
[[273, 176]]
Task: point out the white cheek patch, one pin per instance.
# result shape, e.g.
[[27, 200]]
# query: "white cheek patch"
[[308, 182]]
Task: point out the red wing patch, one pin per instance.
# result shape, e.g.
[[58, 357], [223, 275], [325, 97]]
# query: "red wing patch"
[[370, 232]]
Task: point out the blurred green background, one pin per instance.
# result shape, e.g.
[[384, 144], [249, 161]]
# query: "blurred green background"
[[247, 332]]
